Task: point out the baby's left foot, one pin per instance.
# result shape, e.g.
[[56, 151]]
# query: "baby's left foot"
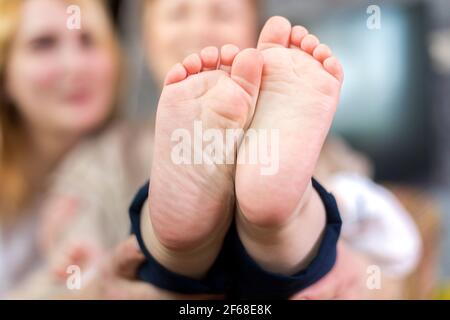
[[191, 202]]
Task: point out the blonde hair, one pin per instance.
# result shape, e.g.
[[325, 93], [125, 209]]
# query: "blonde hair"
[[15, 191]]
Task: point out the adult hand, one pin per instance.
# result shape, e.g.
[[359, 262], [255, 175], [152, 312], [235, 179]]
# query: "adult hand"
[[347, 279], [116, 279]]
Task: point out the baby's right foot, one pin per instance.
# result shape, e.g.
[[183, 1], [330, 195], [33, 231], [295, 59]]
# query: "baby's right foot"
[[191, 203], [281, 214]]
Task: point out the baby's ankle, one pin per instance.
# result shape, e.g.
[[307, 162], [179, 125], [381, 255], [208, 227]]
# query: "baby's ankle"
[[192, 262], [292, 245]]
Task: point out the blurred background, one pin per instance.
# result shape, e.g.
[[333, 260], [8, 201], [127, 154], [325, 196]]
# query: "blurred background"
[[58, 98], [395, 106]]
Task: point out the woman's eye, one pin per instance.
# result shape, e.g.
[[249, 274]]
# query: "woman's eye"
[[178, 13], [87, 40], [44, 43], [223, 12]]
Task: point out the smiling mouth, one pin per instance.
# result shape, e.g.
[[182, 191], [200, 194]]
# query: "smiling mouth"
[[79, 98]]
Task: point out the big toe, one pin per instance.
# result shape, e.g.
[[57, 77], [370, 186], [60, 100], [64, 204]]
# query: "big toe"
[[276, 33], [247, 71]]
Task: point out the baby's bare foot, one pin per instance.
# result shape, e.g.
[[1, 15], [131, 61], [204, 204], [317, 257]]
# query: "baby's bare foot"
[[191, 199], [299, 94]]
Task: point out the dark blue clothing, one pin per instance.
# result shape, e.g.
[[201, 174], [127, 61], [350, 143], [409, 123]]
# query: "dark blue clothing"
[[235, 273]]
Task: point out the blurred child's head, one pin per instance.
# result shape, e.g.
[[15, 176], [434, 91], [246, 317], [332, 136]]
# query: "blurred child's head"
[[54, 81], [173, 29]]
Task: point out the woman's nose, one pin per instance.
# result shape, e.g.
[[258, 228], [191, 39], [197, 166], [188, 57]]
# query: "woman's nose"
[[75, 59], [203, 29]]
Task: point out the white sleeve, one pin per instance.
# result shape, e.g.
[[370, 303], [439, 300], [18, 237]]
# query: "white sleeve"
[[376, 224]]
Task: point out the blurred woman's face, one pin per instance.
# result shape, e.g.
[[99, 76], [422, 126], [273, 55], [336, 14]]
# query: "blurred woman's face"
[[174, 29], [61, 80]]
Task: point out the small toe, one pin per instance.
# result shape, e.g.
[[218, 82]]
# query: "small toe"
[[210, 58], [176, 74], [297, 35], [309, 43], [227, 55], [334, 67], [322, 52], [193, 64]]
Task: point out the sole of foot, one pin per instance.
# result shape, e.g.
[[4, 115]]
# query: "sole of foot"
[[191, 204], [300, 91]]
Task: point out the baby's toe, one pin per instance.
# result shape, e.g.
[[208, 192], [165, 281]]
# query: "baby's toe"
[[176, 74], [276, 33], [309, 43], [210, 58], [227, 55], [297, 35], [334, 67], [247, 71], [193, 64], [322, 52]]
